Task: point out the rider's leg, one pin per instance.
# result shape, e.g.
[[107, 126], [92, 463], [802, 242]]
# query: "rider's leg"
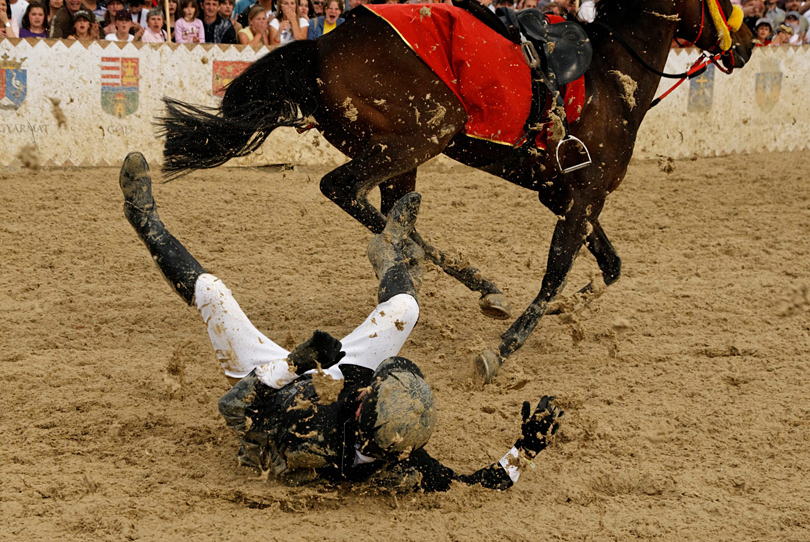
[[238, 344], [397, 262]]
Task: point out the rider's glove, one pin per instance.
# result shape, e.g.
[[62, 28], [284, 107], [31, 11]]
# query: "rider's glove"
[[538, 426], [320, 349]]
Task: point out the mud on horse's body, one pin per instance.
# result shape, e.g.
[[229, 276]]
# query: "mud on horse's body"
[[392, 92]]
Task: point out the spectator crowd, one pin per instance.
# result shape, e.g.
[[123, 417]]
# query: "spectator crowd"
[[278, 22], [253, 22]]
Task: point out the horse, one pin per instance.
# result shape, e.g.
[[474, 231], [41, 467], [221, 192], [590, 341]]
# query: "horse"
[[366, 90]]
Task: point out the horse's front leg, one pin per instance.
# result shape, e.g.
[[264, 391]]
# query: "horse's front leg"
[[569, 236]]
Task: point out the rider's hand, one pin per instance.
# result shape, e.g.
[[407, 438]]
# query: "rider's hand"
[[538, 426], [320, 349]]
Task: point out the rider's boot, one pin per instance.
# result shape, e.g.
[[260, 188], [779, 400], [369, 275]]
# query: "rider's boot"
[[178, 266], [396, 259]]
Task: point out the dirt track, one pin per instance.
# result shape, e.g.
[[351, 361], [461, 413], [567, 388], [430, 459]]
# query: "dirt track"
[[686, 397]]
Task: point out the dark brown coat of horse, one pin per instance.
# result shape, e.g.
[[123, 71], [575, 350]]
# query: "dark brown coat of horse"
[[367, 90]]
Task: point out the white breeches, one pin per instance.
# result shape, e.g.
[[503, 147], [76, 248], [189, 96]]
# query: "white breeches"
[[240, 347]]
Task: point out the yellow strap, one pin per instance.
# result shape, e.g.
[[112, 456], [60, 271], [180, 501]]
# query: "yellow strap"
[[723, 30], [736, 19]]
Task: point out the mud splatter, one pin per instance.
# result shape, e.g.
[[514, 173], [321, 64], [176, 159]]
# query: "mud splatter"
[[351, 111], [628, 88], [58, 114]]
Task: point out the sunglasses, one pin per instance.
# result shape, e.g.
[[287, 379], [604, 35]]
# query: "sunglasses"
[[317, 3]]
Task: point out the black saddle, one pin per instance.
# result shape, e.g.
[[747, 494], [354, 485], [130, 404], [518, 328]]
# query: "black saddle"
[[567, 48]]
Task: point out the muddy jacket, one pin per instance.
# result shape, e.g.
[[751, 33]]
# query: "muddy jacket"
[[294, 433]]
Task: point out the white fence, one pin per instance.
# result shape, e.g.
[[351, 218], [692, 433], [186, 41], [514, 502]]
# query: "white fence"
[[108, 94]]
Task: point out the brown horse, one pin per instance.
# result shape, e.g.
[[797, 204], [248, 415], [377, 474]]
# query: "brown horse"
[[366, 64]]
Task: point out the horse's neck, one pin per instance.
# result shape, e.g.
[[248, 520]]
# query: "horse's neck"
[[647, 30]]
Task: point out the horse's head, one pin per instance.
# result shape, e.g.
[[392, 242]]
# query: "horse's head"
[[716, 26]]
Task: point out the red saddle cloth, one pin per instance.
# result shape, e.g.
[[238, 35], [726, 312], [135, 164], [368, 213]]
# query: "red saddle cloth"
[[486, 71]]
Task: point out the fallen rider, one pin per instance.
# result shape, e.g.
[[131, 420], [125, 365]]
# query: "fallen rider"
[[337, 410]]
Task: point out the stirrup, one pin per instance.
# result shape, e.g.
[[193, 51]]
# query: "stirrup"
[[530, 54], [582, 147]]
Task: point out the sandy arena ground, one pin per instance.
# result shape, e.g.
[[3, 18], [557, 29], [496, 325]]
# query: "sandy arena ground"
[[685, 385]]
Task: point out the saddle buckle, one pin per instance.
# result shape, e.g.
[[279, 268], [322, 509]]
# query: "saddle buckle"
[[582, 150], [530, 54]]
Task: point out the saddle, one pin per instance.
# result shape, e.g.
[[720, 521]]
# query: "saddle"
[[557, 54]]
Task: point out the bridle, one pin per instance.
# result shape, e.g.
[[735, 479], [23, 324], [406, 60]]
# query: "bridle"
[[722, 47]]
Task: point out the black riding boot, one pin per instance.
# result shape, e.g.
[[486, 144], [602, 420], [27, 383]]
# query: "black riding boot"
[[396, 259], [178, 266]]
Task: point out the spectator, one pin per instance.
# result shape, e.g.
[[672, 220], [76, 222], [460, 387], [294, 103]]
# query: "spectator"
[[217, 29], [269, 10], [332, 19], [8, 26], [172, 16], [62, 22], [764, 30], [241, 7], [123, 25], [305, 9], [190, 28], [796, 5], [256, 33], [34, 21], [97, 9], [773, 12], [18, 8], [792, 19], [783, 35], [85, 26], [226, 12], [154, 32], [140, 10], [287, 26], [53, 7], [506, 4], [753, 11], [527, 4], [317, 8], [108, 24]]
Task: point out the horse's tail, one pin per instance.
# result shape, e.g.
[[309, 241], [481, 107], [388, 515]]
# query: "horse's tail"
[[279, 89]]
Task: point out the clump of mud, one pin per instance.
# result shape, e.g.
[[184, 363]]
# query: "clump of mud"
[[628, 87], [58, 114], [29, 156]]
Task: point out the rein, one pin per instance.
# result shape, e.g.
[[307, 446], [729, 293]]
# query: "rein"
[[724, 28]]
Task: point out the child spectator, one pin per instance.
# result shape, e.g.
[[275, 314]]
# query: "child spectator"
[[123, 24], [793, 20], [34, 21], [154, 32], [783, 35], [287, 26], [764, 30], [8, 26], [85, 26], [324, 25], [190, 28], [256, 31]]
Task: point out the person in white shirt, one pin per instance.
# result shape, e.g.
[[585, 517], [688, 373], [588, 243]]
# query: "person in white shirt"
[[288, 26]]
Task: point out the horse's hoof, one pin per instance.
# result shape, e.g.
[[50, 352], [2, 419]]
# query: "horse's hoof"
[[485, 367], [495, 306]]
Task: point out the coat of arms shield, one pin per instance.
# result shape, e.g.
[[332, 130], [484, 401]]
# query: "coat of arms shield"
[[119, 86], [13, 83], [767, 88]]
